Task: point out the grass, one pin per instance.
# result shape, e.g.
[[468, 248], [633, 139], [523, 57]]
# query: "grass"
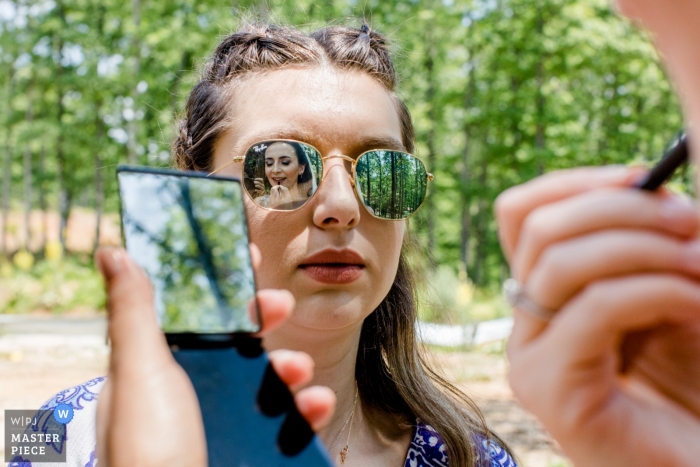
[[70, 284]]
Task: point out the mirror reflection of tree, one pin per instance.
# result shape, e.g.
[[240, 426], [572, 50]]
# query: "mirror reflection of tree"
[[210, 286], [204, 268]]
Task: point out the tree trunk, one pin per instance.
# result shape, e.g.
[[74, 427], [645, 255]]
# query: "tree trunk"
[[131, 126], [465, 175], [99, 144], [6, 182], [42, 196], [99, 186], [7, 168], [28, 182], [540, 101], [430, 141], [64, 197], [482, 227]]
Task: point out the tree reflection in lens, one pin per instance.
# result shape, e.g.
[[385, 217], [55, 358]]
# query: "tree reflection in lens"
[[392, 184]]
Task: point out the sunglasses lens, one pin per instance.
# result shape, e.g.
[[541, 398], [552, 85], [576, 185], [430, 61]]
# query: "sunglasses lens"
[[281, 174], [391, 183]]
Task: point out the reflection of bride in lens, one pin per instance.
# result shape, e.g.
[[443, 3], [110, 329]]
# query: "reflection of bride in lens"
[[289, 177]]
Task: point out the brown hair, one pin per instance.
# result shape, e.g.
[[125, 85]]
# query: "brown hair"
[[392, 374]]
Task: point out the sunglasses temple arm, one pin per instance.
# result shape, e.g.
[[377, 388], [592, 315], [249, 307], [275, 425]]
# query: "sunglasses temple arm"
[[221, 168]]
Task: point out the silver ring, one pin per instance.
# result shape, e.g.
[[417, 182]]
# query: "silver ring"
[[515, 295]]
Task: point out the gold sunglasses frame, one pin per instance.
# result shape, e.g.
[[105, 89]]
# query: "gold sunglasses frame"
[[352, 174]]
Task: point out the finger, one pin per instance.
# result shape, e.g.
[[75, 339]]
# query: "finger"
[[255, 256], [586, 336], [133, 330], [515, 204], [316, 404], [612, 308], [275, 307], [596, 321], [295, 369], [602, 209], [567, 267]]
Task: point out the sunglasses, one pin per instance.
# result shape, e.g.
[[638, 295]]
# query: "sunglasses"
[[283, 175]]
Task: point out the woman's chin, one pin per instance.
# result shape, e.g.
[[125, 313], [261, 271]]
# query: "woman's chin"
[[332, 312]]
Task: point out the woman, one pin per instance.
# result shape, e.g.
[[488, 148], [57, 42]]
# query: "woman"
[[343, 263], [288, 174]]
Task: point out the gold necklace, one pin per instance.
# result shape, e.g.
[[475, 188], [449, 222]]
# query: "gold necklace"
[[344, 452]]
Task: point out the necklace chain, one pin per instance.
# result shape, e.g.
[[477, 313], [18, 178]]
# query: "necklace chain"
[[344, 452]]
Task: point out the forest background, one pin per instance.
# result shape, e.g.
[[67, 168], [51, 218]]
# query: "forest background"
[[500, 91]]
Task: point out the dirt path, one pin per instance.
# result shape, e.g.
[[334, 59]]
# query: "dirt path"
[[34, 367], [482, 375]]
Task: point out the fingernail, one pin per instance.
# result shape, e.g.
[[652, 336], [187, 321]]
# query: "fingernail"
[[112, 263], [614, 173], [679, 210], [637, 178], [282, 356]]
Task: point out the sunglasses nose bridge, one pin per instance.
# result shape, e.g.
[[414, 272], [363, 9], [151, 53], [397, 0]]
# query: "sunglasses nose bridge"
[[345, 159]]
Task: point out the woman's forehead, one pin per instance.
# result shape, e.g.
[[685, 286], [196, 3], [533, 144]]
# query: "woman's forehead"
[[329, 108], [280, 149]]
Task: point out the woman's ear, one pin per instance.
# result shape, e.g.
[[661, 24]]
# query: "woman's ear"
[[302, 168]]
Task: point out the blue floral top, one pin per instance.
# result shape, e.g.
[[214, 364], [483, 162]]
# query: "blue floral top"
[[427, 448]]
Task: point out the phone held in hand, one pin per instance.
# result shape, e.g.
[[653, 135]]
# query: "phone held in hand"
[[189, 233]]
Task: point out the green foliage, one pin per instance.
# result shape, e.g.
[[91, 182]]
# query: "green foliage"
[[71, 284], [447, 298], [500, 90]]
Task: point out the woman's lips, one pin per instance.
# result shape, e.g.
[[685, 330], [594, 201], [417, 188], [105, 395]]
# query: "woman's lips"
[[334, 266], [333, 273]]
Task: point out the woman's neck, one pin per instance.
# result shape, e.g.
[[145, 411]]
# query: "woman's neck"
[[334, 355], [375, 440]]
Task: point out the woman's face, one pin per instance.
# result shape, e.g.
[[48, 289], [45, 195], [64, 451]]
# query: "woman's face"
[[337, 259], [282, 165]]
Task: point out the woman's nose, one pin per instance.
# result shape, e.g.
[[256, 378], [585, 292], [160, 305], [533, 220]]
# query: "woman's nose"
[[336, 205]]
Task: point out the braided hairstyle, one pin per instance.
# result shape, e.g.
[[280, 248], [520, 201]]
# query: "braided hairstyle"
[[393, 376]]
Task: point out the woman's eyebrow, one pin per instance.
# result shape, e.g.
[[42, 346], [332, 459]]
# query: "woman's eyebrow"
[[363, 143], [380, 142], [296, 135]]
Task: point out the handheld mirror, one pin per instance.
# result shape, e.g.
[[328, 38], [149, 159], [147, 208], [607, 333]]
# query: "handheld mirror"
[[189, 234]]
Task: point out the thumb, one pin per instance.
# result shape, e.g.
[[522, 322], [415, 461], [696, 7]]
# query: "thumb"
[[133, 330]]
